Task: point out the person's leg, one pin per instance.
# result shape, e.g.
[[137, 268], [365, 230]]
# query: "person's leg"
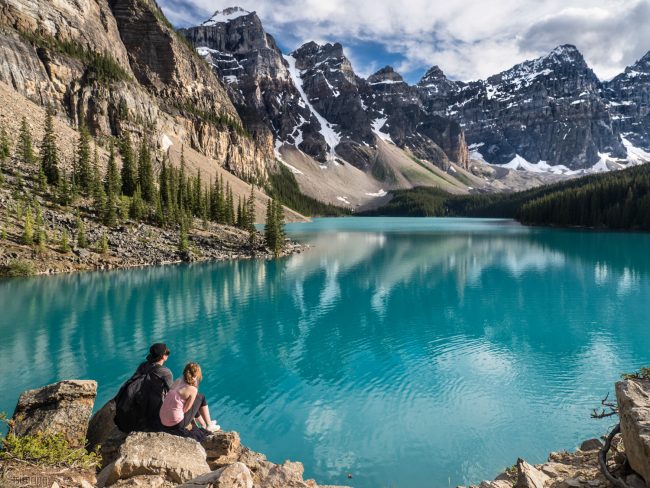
[[193, 412]]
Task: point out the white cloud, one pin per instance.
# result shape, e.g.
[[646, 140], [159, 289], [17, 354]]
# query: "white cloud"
[[468, 39]]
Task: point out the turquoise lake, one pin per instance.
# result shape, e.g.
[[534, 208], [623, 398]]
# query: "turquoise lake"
[[410, 353]]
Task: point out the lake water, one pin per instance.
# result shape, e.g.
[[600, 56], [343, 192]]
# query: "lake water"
[[410, 353]]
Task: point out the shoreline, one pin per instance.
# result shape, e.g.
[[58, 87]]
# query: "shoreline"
[[127, 246]]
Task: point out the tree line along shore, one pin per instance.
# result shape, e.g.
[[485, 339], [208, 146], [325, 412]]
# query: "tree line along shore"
[[56, 210]]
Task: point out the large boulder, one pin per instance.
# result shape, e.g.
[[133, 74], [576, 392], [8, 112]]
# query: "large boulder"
[[529, 476], [63, 408], [103, 433], [235, 475], [175, 459], [222, 449], [633, 398]]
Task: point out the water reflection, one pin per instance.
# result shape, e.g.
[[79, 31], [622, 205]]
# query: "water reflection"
[[390, 344]]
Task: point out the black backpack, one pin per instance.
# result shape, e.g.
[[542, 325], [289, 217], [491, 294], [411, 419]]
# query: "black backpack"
[[132, 402]]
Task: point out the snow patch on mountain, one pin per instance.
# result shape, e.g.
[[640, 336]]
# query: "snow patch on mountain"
[[377, 125], [635, 155], [226, 15], [380, 193], [331, 136], [519, 163]]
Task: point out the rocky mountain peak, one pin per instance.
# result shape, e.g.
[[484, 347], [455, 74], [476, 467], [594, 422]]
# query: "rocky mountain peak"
[[226, 15], [433, 75], [642, 66], [386, 75], [312, 55], [565, 52]]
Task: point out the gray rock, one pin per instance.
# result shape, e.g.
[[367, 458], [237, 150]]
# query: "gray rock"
[[175, 459], [528, 476], [103, 432], [63, 408], [635, 481], [633, 398], [495, 484], [570, 483], [235, 475], [591, 445]]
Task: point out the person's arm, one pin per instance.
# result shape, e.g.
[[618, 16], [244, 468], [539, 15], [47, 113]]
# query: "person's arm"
[[190, 399], [168, 379]]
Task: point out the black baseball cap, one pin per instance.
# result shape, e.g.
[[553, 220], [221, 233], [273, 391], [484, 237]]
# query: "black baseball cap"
[[157, 351]]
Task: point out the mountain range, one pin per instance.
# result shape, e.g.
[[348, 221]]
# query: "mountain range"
[[547, 116], [226, 93]]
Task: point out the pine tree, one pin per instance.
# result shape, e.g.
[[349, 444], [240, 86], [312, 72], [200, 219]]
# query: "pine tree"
[[145, 173], [240, 213], [183, 240], [159, 214], [65, 192], [83, 173], [112, 187], [137, 208], [279, 224], [230, 206], [250, 211], [102, 244], [49, 150], [129, 174], [274, 233], [28, 230], [182, 184], [40, 223], [99, 195], [5, 147], [221, 202], [25, 149], [82, 242], [269, 227], [42, 180], [112, 183], [65, 244], [41, 240]]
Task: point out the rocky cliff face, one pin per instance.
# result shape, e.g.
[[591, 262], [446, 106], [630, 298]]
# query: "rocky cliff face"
[[404, 119], [629, 103], [257, 78], [119, 66], [549, 109], [312, 99]]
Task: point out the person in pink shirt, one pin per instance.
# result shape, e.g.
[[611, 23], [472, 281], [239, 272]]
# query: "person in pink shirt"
[[183, 404]]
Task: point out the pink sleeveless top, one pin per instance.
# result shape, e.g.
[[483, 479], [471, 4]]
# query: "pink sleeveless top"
[[171, 411]]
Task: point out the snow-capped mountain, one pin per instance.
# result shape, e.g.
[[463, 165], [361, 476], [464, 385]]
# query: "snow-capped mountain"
[[550, 109], [312, 99], [547, 115], [629, 103]]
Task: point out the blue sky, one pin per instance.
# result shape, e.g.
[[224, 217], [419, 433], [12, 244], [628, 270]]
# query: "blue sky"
[[468, 39]]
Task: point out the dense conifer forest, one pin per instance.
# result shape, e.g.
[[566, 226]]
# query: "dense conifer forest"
[[615, 200]]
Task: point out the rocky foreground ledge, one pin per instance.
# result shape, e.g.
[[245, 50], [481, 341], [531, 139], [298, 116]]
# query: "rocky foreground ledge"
[[140, 459], [159, 460]]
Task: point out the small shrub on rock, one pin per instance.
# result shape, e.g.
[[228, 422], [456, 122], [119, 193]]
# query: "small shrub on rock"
[[16, 268], [46, 449]]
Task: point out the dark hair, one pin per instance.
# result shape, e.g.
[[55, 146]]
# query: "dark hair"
[[157, 351]]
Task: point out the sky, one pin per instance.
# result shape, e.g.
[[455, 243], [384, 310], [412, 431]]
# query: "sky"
[[468, 39]]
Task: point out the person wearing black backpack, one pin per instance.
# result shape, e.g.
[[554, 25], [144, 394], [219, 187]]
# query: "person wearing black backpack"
[[137, 404]]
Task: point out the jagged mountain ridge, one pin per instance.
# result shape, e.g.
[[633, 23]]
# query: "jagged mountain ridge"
[[549, 109], [333, 116], [552, 110]]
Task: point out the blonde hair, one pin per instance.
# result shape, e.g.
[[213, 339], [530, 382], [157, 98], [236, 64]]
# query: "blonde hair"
[[192, 374]]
